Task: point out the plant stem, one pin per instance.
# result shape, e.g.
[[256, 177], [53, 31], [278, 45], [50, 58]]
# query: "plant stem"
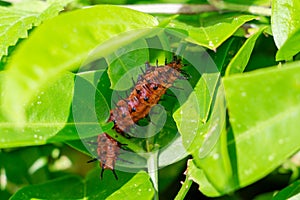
[[259, 10], [152, 162], [184, 189], [215, 5], [172, 8]]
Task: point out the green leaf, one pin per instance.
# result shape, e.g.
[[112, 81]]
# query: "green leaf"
[[46, 113], [216, 32], [26, 165], [70, 131], [285, 20], [65, 50], [205, 138], [16, 20], [89, 108], [226, 52], [197, 175], [264, 113], [126, 64], [139, 187], [192, 117], [217, 171], [73, 187], [128, 61], [212, 157], [240, 60], [265, 196], [286, 28], [70, 187], [174, 152], [290, 192], [290, 47]]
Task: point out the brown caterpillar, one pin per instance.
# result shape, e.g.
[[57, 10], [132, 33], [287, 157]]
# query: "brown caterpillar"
[[146, 93]]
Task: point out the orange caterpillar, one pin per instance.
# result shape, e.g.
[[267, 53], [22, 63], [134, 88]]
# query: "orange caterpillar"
[[146, 93]]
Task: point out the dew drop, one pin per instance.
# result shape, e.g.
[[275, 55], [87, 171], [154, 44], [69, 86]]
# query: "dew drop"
[[248, 171], [39, 102], [271, 157], [280, 141], [216, 156], [244, 94], [201, 150], [172, 25]]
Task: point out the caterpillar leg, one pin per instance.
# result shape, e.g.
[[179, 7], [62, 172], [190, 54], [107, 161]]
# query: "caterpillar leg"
[[113, 171], [147, 65], [93, 160], [101, 175]]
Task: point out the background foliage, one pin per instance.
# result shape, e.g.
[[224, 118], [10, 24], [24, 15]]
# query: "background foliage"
[[253, 44]]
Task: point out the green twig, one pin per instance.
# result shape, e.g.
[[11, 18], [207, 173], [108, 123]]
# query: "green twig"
[[172, 8], [152, 162], [215, 5], [258, 10], [184, 188]]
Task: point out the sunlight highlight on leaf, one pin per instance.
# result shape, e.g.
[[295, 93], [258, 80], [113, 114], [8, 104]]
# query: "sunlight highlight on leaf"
[[16, 20], [264, 119], [64, 51]]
